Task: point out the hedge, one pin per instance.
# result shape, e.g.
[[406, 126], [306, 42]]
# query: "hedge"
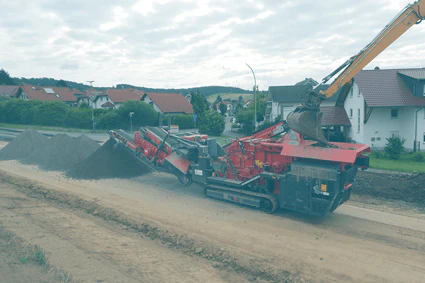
[[60, 114]]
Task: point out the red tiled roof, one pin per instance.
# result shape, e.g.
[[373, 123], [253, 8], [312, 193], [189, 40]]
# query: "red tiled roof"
[[334, 116], [60, 93], [170, 102], [107, 104], [385, 88], [122, 95], [9, 90]]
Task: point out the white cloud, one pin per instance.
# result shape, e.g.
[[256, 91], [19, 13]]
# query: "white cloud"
[[184, 43]]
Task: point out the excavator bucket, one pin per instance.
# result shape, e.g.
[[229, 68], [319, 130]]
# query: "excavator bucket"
[[308, 123]]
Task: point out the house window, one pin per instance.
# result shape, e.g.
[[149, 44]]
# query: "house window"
[[394, 134], [358, 120], [351, 92], [424, 91], [394, 113], [424, 138], [351, 113]]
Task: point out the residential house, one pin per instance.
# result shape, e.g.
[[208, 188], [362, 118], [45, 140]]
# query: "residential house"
[[64, 94], [229, 106], [188, 96], [114, 98], [167, 103], [282, 100], [385, 103], [10, 91], [110, 98]]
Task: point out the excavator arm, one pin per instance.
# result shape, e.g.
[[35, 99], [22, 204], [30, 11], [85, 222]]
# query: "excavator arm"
[[306, 119]]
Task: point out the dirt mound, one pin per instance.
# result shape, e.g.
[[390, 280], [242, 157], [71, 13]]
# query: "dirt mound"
[[391, 186], [23, 145], [108, 162], [62, 152]]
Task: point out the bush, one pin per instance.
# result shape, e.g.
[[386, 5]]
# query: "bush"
[[377, 154], [418, 156], [79, 118], [144, 114], [246, 119], [394, 147], [184, 121], [211, 123], [109, 120], [51, 113]]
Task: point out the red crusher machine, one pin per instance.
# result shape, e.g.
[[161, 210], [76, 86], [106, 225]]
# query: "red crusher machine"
[[274, 168]]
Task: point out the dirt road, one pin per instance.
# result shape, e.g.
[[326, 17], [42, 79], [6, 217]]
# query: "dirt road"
[[156, 228]]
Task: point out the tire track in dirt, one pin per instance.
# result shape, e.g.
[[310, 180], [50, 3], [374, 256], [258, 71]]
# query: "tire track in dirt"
[[93, 252], [337, 248], [219, 259]]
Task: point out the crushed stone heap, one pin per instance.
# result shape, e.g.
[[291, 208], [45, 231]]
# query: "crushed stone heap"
[[109, 162]]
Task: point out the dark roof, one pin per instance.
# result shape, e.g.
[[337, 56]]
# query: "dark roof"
[[9, 90], [334, 116], [288, 93], [295, 93], [414, 73], [385, 88], [170, 102], [51, 93]]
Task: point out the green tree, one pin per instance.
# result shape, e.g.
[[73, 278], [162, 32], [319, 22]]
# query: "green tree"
[[211, 123], [218, 99], [144, 115], [394, 147], [261, 107], [198, 103], [223, 108], [61, 83], [246, 119], [5, 78], [239, 108]]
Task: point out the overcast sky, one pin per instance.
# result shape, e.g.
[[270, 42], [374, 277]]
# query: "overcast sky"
[[167, 43]]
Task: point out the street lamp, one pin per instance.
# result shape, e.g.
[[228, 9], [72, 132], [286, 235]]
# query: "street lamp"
[[131, 121], [92, 105], [255, 98]]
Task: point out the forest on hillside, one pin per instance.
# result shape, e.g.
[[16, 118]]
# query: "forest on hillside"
[[204, 90]]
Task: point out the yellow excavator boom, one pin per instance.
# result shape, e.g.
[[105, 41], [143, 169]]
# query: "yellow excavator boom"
[[306, 119]]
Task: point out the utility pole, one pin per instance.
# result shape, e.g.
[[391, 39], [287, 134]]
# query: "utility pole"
[[92, 105], [131, 121], [255, 98]]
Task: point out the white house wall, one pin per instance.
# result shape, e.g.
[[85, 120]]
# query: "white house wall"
[[283, 109], [381, 126], [355, 101], [100, 101]]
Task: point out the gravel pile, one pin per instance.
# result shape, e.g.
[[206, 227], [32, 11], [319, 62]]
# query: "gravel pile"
[[108, 162], [59, 153], [391, 186], [23, 145], [62, 152]]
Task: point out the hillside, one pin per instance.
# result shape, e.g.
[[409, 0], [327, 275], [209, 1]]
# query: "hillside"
[[204, 90]]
